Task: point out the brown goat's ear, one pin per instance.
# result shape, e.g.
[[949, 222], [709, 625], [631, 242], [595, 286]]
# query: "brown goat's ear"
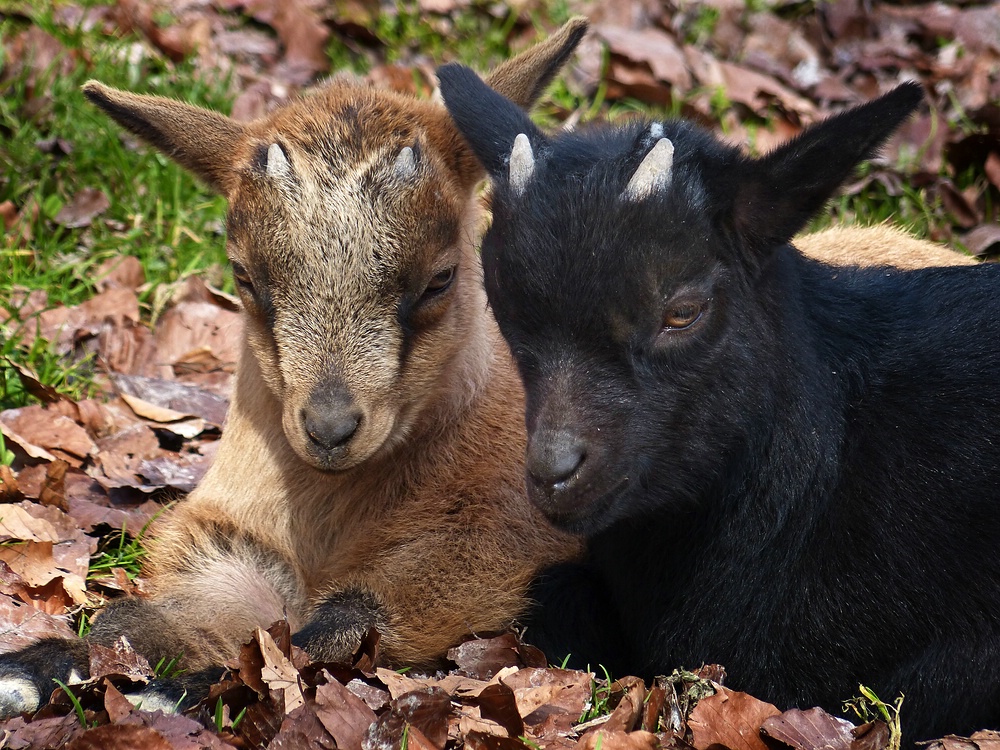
[[523, 78], [198, 139]]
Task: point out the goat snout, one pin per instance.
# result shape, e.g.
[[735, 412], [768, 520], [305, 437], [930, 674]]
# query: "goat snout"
[[331, 419], [555, 459]]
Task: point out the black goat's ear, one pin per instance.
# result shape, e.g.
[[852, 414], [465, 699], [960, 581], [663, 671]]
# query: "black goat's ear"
[[777, 194], [500, 134]]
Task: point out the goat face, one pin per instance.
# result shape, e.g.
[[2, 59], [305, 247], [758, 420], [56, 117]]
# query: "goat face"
[[355, 267], [626, 269], [617, 321]]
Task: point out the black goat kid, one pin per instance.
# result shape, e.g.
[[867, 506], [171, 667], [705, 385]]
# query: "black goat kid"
[[784, 467]]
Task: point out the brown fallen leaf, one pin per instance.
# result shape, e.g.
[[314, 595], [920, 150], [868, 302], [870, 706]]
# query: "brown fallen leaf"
[[616, 740], [652, 47], [61, 436], [565, 689], [345, 716], [483, 658], [123, 272], [278, 672], [50, 733], [730, 719], [983, 240], [10, 490], [32, 384], [65, 327], [498, 703], [426, 710], [302, 730], [21, 625], [302, 32], [120, 737], [12, 439], [119, 660], [53, 491], [812, 729], [83, 208], [179, 398]]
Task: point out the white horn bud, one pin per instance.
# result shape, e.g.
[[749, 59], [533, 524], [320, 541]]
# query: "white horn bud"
[[522, 163], [277, 163], [406, 164], [653, 174]]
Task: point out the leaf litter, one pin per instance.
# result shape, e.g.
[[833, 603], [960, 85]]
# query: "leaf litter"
[[89, 468]]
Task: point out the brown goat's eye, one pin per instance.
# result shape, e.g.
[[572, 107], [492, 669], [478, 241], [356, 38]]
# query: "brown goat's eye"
[[682, 315], [440, 281], [241, 277]]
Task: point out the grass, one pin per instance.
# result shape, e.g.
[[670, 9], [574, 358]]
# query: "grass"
[[122, 552], [868, 707], [600, 698]]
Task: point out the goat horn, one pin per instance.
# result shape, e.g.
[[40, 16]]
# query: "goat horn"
[[406, 163], [522, 163], [653, 174], [277, 162]]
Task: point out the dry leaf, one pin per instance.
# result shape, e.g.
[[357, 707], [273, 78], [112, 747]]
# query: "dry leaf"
[[278, 672], [82, 208], [730, 719]]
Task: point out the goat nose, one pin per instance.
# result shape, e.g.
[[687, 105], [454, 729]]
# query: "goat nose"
[[553, 460], [331, 422]]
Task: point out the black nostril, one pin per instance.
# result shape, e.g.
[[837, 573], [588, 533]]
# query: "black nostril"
[[556, 460], [330, 430]]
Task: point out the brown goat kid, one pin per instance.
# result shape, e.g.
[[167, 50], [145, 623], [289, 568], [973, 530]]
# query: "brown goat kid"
[[370, 473]]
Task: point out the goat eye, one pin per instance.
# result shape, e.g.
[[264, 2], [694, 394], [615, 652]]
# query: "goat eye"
[[241, 277], [681, 316], [440, 281]]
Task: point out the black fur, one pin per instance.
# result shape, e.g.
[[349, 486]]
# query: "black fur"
[[339, 624], [802, 485]]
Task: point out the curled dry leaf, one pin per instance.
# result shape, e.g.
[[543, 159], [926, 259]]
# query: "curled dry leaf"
[[483, 658], [123, 272], [119, 660], [302, 730], [426, 710], [22, 624], [32, 384], [731, 719], [807, 730], [278, 672], [345, 716]]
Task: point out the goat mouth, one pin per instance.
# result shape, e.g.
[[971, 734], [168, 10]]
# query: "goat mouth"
[[579, 512]]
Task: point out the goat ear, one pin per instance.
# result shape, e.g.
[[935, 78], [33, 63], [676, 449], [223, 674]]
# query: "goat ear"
[[198, 139], [523, 78], [777, 194], [491, 124]]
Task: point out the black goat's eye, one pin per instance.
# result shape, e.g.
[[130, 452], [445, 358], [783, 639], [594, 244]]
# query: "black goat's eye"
[[440, 281], [683, 315], [241, 277]]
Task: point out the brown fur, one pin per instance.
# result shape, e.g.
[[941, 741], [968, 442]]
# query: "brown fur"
[[424, 509], [879, 245]]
